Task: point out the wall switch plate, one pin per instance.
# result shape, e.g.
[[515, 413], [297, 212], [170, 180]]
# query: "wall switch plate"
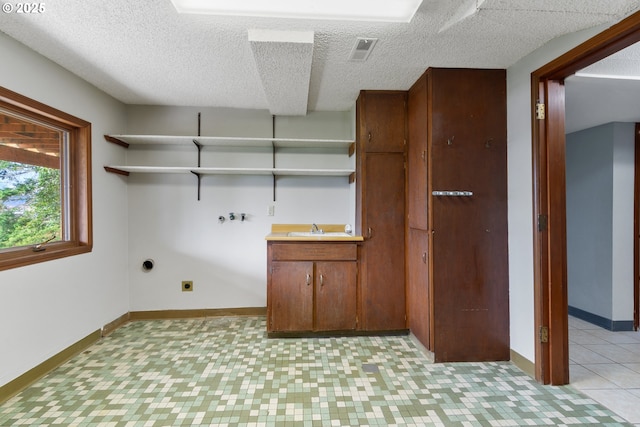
[[187, 286], [270, 210]]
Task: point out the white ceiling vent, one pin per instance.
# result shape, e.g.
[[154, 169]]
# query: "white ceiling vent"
[[362, 49]]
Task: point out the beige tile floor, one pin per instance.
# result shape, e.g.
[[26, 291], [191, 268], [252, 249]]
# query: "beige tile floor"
[[605, 366]]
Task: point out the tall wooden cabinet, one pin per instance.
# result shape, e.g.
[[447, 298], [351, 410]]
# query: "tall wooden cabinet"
[[457, 272], [380, 208]]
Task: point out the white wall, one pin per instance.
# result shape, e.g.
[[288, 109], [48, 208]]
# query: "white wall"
[[520, 184], [622, 234], [227, 262], [590, 219], [600, 206], [46, 307]]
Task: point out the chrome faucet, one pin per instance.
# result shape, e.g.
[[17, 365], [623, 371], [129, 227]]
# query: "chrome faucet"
[[315, 229]]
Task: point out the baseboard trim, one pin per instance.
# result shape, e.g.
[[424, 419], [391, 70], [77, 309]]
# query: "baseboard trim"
[[112, 326], [25, 380], [15, 386], [603, 322], [188, 314], [524, 364], [423, 349]]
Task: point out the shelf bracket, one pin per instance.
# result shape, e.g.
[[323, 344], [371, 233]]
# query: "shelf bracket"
[[116, 141], [199, 146], [199, 180], [273, 152], [116, 171]]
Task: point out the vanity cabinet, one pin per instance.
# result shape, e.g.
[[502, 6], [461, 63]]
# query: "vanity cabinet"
[[312, 287]]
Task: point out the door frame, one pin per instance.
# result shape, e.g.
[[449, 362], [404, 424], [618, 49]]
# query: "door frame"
[[549, 196], [636, 230]]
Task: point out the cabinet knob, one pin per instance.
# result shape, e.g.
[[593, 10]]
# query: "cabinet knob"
[[308, 279], [369, 136], [321, 280], [424, 257], [369, 232]]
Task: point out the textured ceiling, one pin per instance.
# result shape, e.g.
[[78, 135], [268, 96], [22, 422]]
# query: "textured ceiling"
[[144, 52], [592, 102]]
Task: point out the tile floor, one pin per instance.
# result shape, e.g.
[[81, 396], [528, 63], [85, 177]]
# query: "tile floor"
[[224, 371], [605, 366]]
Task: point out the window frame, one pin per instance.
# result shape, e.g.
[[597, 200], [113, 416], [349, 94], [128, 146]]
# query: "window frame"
[[79, 206]]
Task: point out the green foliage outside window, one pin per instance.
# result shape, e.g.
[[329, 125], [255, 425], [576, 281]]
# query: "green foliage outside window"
[[30, 205]]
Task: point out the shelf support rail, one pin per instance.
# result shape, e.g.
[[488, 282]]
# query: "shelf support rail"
[[199, 147], [273, 152], [199, 180]]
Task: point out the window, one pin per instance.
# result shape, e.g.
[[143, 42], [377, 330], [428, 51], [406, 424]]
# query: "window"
[[45, 182]]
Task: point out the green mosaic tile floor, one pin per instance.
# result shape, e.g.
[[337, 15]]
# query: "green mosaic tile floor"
[[225, 372]]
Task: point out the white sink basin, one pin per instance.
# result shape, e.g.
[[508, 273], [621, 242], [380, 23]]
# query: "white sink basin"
[[324, 234]]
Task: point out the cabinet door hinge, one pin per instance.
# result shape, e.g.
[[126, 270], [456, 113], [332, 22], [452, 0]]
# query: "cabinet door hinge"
[[542, 222], [540, 111], [544, 334]]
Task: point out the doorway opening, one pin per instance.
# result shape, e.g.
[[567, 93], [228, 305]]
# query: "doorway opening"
[[549, 201]]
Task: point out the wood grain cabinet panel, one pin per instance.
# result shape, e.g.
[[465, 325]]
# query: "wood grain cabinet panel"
[[418, 290], [335, 290], [382, 121], [465, 134], [380, 208], [291, 296], [307, 296]]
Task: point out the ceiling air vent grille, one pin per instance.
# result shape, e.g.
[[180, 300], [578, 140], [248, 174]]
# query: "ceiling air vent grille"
[[362, 49]]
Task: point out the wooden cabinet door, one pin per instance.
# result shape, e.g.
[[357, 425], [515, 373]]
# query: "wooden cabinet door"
[[291, 296], [417, 155], [418, 289], [335, 290], [383, 272], [469, 246], [382, 121]]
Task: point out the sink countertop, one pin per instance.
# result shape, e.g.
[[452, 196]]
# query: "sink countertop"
[[281, 232]]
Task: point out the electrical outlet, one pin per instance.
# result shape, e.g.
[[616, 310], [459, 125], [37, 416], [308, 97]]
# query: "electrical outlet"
[[187, 286], [270, 210]]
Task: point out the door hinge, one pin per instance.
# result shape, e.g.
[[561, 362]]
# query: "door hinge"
[[542, 222], [544, 334], [540, 111]]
